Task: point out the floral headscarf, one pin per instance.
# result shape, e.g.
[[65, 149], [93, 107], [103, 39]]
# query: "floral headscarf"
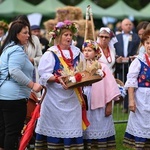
[[91, 44]]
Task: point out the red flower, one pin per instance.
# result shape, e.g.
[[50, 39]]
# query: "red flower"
[[78, 77], [143, 77], [140, 80], [146, 83], [145, 69]]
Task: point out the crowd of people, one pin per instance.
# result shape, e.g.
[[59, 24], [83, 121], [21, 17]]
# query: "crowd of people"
[[28, 62]]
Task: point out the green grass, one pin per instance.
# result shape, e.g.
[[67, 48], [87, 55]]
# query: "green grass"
[[120, 120], [120, 130], [118, 115]]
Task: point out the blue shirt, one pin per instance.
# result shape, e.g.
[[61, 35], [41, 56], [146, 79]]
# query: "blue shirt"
[[15, 61]]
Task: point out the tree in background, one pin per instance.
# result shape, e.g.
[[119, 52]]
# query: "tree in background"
[[34, 2], [136, 4]]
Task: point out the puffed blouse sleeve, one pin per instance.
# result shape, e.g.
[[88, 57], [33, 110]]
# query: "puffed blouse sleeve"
[[132, 76], [46, 67]]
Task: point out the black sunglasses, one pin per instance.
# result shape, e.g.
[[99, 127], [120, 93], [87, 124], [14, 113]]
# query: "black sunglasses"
[[106, 37]]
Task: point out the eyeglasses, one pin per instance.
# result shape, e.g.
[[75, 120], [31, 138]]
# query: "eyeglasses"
[[106, 37]]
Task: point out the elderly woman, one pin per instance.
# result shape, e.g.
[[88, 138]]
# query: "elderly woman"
[[60, 122], [137, 133], [106, 40]]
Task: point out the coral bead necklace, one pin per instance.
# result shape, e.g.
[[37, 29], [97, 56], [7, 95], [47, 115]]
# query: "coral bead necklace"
[[68, 61], [107, 54], [147, 60]]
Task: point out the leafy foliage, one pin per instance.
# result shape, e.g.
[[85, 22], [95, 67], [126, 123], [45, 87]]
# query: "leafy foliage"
[[71, 2], [136, 4], [105, 4], [34, 2]]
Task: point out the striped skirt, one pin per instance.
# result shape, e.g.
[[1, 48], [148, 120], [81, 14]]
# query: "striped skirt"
[[136, 142], [51, 143], [100, 144]]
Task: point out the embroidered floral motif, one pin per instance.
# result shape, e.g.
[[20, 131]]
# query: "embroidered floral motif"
[[144, 77], [76, 78]]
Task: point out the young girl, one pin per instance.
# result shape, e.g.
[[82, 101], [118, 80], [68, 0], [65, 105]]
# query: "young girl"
[[100, 135]]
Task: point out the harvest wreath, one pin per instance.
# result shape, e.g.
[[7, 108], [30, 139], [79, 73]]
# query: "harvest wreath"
[[84, 74]]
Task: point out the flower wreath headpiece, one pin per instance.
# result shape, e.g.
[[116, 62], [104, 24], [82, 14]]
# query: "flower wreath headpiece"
[[3, 25], [92, 44], [67, 24]]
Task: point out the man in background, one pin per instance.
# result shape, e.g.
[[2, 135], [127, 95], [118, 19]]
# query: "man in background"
[[35, 30], [126, 49]]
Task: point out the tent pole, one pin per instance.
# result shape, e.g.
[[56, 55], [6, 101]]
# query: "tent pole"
[[86, 24], [92, 23]]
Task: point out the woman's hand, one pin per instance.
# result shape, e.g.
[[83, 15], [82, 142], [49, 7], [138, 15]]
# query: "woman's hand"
[[108, 109], [31, 60], [37, 87], [61, 81], [119, 59], [132, 105]]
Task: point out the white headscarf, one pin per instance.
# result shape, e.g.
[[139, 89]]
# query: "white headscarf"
[[104, 28], [113, 39]]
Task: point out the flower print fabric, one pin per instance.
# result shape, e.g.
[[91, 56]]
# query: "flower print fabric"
[[138, 78], [144, 76]]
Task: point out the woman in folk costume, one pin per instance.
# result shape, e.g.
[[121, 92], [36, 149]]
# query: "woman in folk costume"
[[106, 40], [60, 123], [100, 135], [137, 133]]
